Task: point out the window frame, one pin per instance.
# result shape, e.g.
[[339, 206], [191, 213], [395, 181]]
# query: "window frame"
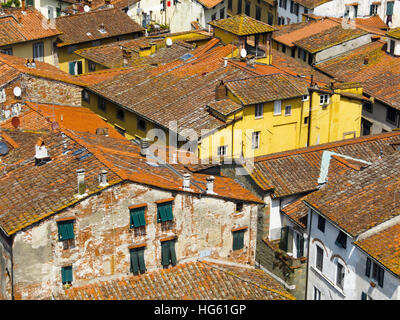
[[317, 294], [101, 104], [120, 114], [290, 110], [341, 240], [168, 253], [255, 137], [137, 261], [238, 239], [277, 106], [39, 45], [324, 99], [319, 253], [340, 275], [70, 275], [223, 148], [85, 96], [258, 110], [321, 223], [388, 110], [160, 215]]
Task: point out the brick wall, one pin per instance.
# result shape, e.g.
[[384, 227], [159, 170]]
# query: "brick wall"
[[102, 238]]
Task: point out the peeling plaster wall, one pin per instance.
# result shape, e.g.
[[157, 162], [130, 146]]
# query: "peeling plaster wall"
[[5, 269], [102, 238]]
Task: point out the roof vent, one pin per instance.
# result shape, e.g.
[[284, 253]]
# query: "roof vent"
[[366, 60], [81, 181], [210, 184], [144, 147], [186, 181], [41, 156], [103, 178], [102, 29]]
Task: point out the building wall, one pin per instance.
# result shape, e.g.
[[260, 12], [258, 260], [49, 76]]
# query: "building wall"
[[378, 118], [266, 9], [5, 268], [354, 261], [202, 226]]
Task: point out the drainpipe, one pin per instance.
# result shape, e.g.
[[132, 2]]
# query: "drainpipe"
[[308, 254], [309, 113]]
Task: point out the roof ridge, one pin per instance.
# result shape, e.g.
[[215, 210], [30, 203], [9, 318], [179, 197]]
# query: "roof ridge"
[[326, 146]]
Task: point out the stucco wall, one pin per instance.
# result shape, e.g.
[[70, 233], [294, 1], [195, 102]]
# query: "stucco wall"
[[102, 238]]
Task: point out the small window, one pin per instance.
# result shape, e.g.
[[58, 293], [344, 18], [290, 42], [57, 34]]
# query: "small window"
[[391, 115], [255, 140], [324, 99], [320, 258], [340, 275], [258, 13], [317, 294], [91, 66], [66, 275], [8, 51], [101, 104], [222, 150], [239, 206], [259, 110], [283, 48], [229, 4], [293, 52], [168, 255], [288, 110], [247, 8], [86, 96], [164, 212], [238, 239], [214, 17], [120, 114], [299, 245], [341, 240], [222, 13], [306, 120], [137, 217], [66, 233], [141, 125], [367, 106], [321, 223], [277, 107], [38, 51], [284, 240], [378, 274], [137, 260]]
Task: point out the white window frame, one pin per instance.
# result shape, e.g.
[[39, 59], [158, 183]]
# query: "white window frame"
[[255, 140], [222, 150], [38, 51], [304, 97], [290, 110], [343, 273], [324, 99], [277, 107], [259, 110], [316, 257]]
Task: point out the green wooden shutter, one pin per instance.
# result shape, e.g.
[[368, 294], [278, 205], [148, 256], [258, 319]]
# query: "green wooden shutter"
[[140, 255], [165, 253], [71, 67], [164, 212], [134, 261], [283, 243], [389, 8], [137, 217], [65, 230], [238, 242], [172, 252], [363, 296], [66, 274]]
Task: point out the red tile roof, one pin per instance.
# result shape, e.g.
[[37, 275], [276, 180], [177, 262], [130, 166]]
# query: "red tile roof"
[[311, 4], [83, 27], [195, 281], [271, 172], [18, 26], [210, 3], [361, 200]]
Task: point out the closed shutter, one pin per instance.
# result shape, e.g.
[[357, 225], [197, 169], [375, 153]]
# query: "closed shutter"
[[71, 67], [363, 296], [389, 8], [371, 12], [238, 237], [79, 71], [283, 244], [66, 274], [65, 230], [368, 267], [137, 217], [164, 212], [165, 253], [380, 276], [172, 252], [140, 255], [134, 261]]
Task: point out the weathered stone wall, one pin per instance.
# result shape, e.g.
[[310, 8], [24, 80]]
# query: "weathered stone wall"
[[51, 91], [5, 269], [103, 235]]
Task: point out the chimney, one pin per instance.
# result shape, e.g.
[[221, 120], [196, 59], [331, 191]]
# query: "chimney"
[[103, 178], [33, 63], [144, 147], [220, 91], [210, 184], [186, 181], [23, 5], [41, 155], [366, 60], [81, 181], [225, 62]]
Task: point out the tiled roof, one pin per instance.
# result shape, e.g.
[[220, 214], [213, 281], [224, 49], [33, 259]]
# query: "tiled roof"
[[176, 91], [272, 172], [92, 78], [14, 66], [379, 76], [374, 21], [311, 4], [111, 55], [329, 38], [394, 33], [210, 3], [187, 281], [225, 106], [20, 26], [384, 246], [265, 88], [83, 27], [242, 25], [361, 200]]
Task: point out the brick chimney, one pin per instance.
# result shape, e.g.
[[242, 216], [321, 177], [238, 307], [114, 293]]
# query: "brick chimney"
[[41, 155], [220, 91]]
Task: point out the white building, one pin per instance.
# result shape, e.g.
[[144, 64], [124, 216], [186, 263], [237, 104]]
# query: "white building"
[[50, 9], [353, 230], [290, 11]]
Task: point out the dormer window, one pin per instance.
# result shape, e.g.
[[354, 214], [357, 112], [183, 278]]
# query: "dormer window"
[[324, 99]]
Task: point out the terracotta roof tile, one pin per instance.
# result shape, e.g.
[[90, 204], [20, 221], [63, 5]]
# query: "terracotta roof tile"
[[242, 25], [394, 33], [225, 106], [191, 280], [210, 3]]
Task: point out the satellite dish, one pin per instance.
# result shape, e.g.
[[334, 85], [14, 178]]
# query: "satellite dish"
[[55, 125], [17, 91], [243, 53], [3, 148], [15, 122], [86, 8], [168, 41]]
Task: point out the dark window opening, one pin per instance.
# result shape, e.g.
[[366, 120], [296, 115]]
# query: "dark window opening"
[[168, 255], [321, 223], [341, 240], [320, 258], [238, 239], [141, 125], [101, 104], [120, 114]]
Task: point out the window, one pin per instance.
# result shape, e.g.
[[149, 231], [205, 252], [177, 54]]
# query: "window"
[[168, 255], [229, 4], [365, 296], [75, 67], [299, 245], [317, 294], [321, 223], [238, 239], [288, 110], [137, 217], [373, 9], [391, 48], [304, 98], [320, 258], [50, 13], [222, 13], [137, 260], [8, 51], [283, 48], [141, 125], [340, 275], [355, 11], [306, 120], [120, 114], [247, 8], [293, 52], [367, 106], [222, 150], [164, 211], [239, 6], [389, 8], [120, 38], [101, 104], [391, 115], [270, 19], [277, 107], [303, 55], [283, 243], [38, 51], [324, 99], [214, 17], [310, 59], [377, 271], [341, 240], [258, 13], [291, 6], [239, 206], [255, 140], [259, 110], [91, 66], [66, 233], [66, 275], [86, 96]]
